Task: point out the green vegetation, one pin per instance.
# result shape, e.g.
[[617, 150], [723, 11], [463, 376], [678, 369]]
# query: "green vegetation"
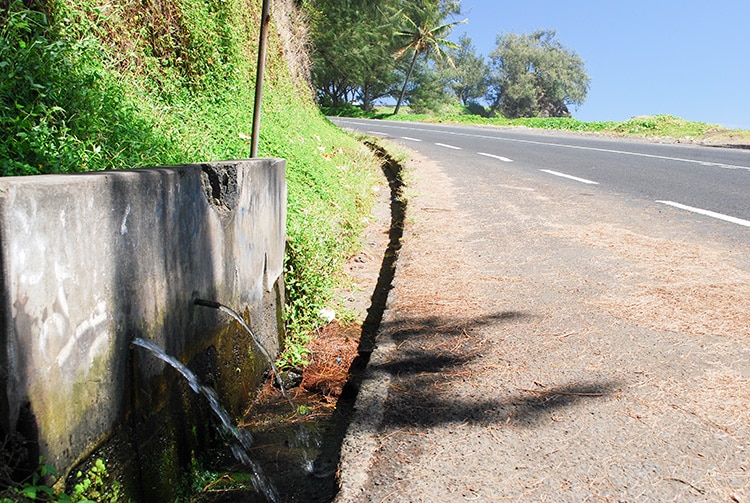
[[535, 75], [35, 488], [88, 86], [202, 481], [94, 486], [355, 47], [425, 36], [652, 126], [469, 77], [363, 54]]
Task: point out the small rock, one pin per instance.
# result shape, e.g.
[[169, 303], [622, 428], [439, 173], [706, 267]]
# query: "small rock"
[[327, 314], [289, 378]]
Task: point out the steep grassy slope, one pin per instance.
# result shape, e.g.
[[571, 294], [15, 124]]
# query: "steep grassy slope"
[[90, 85]]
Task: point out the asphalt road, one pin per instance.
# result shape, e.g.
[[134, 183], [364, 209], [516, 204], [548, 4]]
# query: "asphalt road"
[[706, 183], [550, 339]]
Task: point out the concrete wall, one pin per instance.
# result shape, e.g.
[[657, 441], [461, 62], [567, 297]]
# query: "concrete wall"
[[91, 261]]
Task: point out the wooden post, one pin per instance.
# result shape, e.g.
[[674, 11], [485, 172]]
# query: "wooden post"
[[265, 20]]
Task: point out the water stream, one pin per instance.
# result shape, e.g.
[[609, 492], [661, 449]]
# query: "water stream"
[[304, 439], [221, 307], [240, 440]]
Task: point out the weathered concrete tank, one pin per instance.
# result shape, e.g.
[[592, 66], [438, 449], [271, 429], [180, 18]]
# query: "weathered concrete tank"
[[91, 261]]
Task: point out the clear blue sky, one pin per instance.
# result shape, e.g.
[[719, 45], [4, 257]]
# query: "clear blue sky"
[[687, 58]]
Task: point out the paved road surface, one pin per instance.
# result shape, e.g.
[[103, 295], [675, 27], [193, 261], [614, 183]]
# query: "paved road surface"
[[552, 340], [707, 180]]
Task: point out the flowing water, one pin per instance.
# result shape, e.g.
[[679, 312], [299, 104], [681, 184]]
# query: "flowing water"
[[304, 438], [240, 440]]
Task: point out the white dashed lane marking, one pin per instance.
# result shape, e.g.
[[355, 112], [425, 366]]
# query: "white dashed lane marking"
[[498, 157], [570, 177], [453, 147], [708, 213]]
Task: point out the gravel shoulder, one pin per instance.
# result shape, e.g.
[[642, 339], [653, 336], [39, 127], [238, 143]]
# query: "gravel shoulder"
[[537, 348]]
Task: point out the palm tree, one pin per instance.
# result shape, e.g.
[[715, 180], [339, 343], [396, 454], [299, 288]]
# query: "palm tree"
[[423, 38]]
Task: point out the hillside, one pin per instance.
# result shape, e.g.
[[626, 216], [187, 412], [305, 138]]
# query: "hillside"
[[88, 86]]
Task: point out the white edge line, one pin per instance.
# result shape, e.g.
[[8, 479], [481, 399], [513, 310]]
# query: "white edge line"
[[498, 157], [379, 133], [448, 146], [562, 145], [708, 213], [410, 139], [571, 177]]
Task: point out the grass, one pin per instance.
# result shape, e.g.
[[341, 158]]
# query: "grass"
[[653, 126], [87, 86]]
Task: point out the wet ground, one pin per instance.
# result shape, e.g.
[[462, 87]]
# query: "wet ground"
[[300, 453]]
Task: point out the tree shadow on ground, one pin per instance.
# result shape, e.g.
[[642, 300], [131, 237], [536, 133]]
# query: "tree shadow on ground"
[[436, 377], [525, 408]]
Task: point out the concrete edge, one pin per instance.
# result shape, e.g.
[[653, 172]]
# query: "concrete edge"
[[360, 442]]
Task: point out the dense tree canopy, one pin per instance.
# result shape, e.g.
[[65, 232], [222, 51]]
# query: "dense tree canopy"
[[364, 52], [469, 76], [356, 44], [352, 50], [534, 75]]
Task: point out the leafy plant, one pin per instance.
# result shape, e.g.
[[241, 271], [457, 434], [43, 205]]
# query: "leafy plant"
[[90, 87], [201, 481], [95, 486], [295, 354]]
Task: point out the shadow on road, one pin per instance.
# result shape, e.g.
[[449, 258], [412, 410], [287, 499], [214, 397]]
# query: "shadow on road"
[[433, 383]]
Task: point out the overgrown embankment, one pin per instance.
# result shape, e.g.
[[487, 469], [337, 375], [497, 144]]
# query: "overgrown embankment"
[[88, 86]]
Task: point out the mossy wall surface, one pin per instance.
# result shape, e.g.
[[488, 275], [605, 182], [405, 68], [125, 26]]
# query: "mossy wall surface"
[[91, 261]]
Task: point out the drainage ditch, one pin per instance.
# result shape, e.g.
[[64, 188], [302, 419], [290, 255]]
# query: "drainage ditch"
[[309, 473]]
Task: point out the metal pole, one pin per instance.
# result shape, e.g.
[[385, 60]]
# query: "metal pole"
[[265, 20]]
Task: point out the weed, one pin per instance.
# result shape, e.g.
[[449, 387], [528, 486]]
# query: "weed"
[[94, 486]]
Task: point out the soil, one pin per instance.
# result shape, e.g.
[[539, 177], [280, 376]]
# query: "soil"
[[299, 453], [544, 344]]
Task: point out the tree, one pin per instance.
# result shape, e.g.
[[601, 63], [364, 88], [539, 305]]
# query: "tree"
[[535, 75], [428, 90], [352, 46], [354, 42], [425, 35], [469, 76]]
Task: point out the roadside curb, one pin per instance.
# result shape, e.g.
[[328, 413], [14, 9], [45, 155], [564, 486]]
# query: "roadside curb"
[[360, 442]]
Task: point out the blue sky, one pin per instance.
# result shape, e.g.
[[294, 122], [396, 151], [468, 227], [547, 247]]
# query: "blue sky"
[[686, 58]]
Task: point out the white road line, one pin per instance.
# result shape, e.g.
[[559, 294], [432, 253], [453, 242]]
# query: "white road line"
[[557, 173], [712, 214], [448, 146], [410, 139], [498, 157], [378, 133], [564, 145]]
